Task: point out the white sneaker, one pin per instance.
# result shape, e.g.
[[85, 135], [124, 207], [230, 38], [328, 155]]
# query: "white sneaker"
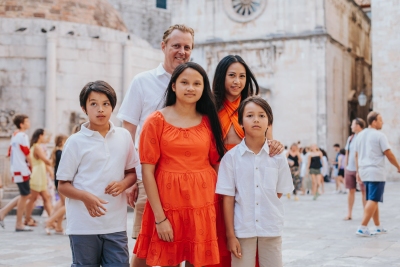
[[379, 231], [365, 232]]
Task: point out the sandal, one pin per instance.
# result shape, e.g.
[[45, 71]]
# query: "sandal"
[[31, 222], [347, 218]]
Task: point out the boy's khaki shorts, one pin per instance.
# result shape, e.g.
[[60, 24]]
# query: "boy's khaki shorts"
[[139, 208]]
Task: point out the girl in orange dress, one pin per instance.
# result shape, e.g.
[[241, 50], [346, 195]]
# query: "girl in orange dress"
[[181, 147], [233, 82]]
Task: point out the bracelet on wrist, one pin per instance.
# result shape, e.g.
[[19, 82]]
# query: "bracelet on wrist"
[[161, 221]]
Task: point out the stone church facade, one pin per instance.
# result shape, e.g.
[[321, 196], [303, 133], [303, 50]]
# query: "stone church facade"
[[311, 58]]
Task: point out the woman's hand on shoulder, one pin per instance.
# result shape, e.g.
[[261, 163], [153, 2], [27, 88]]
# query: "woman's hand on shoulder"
[[233, 246], [275, 147], [164, 231]]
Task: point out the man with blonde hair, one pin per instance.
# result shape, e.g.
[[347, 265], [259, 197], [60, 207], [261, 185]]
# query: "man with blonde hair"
[[371, 149], [144, 96]]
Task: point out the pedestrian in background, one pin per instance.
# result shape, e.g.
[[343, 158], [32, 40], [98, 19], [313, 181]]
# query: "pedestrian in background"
[[372, 147]]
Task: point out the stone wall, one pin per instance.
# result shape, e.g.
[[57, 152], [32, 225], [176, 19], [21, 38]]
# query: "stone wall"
[[386, 70], [144, 19], [92, 53], [348, 66], [210, 21]]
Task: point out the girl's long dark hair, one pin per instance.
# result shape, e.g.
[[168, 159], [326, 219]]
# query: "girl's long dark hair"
[[251, 87], [36, 135], [205, 105]]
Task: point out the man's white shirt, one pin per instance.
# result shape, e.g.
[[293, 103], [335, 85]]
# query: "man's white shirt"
[[145, 95]]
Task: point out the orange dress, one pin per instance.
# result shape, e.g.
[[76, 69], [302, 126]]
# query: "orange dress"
[[186, 184]]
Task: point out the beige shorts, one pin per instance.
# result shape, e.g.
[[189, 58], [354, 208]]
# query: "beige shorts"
[[269, 252], [139, 208]]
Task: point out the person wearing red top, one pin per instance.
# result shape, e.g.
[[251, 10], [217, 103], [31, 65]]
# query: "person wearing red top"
[[181, 148], [233, 83]]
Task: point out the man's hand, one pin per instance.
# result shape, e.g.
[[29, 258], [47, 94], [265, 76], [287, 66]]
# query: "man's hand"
[[233, 246], [94, 205], [132, 195], [275, 147], [358, 178]]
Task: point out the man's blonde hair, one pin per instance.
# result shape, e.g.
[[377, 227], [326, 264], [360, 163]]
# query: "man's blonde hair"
[[182, 28]]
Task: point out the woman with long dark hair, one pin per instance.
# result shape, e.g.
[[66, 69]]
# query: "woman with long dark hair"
[[181, 148], [233, 83], [38, 180]]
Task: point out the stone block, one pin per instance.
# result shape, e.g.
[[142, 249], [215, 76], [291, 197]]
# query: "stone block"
[[67, 42], [35, 40], [68, 53], [5, 39], [67, 66], [4, 51], [84, 43], [10, 64]]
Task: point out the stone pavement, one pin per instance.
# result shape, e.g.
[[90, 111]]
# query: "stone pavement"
[[314, 235]]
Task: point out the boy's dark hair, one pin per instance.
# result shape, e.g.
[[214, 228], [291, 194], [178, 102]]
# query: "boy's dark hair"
[[205, 105], [258, 101], [342, 151], [18, 119], [360, 122], [336, 145], [372, 116], [250, 88], [99, 87]]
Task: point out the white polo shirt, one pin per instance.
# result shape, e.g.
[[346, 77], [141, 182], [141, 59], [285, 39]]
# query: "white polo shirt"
[[145, 95], [91, 161], [370, 145], [254, 180], [19, 150]]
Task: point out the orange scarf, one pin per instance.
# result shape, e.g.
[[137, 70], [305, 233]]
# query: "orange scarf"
[[228, 115]]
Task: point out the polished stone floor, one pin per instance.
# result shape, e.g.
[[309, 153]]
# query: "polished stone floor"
[[315, 235]]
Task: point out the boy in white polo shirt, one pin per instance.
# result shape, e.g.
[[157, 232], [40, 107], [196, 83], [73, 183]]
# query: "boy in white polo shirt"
[[97, 166], [252, 183]]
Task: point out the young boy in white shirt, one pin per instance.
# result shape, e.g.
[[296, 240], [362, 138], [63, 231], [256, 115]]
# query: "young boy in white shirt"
[[252, 183], [97, 166]]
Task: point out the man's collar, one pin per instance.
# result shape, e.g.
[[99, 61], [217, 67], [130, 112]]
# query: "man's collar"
[[161, 71], [243, 147], [86, 131]]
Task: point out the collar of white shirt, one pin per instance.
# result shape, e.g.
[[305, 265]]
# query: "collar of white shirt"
[[161, 71], [243, 148], [89, 132]]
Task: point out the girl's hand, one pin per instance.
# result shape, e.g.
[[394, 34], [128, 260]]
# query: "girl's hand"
[[275, 147], [94, 205], [164, 231], [115, 188], [234, 247]]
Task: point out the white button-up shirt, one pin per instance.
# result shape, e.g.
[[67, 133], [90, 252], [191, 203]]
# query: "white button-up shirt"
[[145, 95], [254, 180], [91, 161]]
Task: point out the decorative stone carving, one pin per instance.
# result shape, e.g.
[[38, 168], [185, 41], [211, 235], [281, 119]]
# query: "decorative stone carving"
[[6, 124], [244, 10]]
